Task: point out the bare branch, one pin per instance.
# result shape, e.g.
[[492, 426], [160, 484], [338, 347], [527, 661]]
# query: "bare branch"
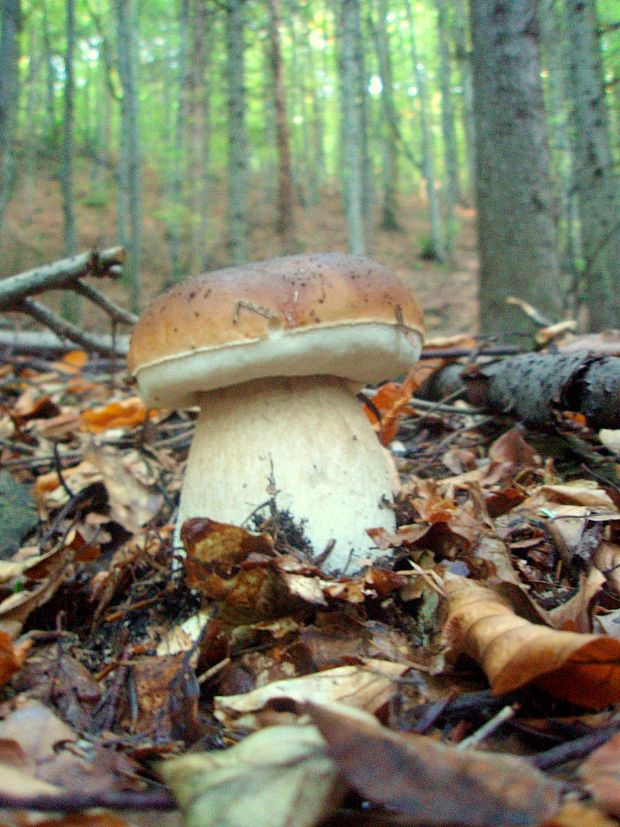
[[114, 311], [59, 274], [66, 330]]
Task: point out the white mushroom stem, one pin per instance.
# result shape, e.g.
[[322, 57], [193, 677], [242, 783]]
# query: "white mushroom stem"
[[311, 438]]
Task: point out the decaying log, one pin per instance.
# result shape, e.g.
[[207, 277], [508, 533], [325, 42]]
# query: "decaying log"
[[536, 387], [16, 296], [39, 342]]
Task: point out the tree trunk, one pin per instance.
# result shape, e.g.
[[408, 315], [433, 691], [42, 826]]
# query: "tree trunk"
[[237, 138], [463, 57], [352, 125], [452, 188], [428, 151], [516, 226], [389, 207], [595, 177], [562, 164], [129, 161], [285, 223], [9, 93], [197, 124], [50, 80], [70, 303]]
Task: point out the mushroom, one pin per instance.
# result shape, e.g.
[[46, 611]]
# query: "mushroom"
[[273, 353]]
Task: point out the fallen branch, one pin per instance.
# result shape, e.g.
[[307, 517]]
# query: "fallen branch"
[[38, 342], [66, 330], [536, 387], [16, 296], [60, 274]]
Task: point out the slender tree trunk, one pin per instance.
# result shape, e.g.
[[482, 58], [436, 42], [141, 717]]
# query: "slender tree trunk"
[[9, 94], [516, 226], [452, 187], [198, 104], [30, 147], [463, 57], [175, 81], [389, 207], [368, 174], [352, 125], [70, 304], [595, 176], [237, 136], [428, 150], [561, 150], [129, 161], [285, 224], [50, 80]]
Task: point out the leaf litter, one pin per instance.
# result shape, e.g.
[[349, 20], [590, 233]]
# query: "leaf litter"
[[262, 690]]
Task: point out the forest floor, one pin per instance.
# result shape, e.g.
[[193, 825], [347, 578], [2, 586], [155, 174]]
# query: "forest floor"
[[116, 651], [448, 293]]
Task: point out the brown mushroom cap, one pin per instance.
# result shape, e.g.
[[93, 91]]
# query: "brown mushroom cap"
[[328, 313]]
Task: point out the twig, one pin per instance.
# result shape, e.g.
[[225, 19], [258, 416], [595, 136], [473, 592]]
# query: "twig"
[[575, 749], [65, 329], [114, 311], [488, 728], [161, 800]]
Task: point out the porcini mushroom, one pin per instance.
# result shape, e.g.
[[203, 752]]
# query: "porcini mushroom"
[[273, 353]]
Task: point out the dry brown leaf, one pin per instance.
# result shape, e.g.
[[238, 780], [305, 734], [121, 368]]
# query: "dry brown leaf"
[[367, 686], [601, 774], [12, 656], [132, 502], [86, 819], [583, 669], [576, 614], [432, 783], [278, 777], [579, 814], [579, 492], [512, 450], [125, 413], [15, 609]]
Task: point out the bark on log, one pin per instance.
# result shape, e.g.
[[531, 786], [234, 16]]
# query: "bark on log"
[[536, 387]]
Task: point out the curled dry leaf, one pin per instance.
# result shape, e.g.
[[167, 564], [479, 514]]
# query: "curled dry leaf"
[[122, 414], [367, 686], [583, 669], [432, 783], [278, 777], [392, 400], [12, 656]]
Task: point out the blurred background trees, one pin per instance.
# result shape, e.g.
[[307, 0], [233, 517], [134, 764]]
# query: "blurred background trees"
[[202, 133]]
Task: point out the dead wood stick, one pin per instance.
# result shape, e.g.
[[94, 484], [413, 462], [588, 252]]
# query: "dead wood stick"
[[38, 342], [74, 801], [60, 274], [536, 387], [114, 311], [67, 330]]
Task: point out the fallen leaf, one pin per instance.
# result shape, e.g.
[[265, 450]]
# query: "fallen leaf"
[[132, 502], [580, 668], [601, 774], [368, 686], [278, 777], [392, 400], [122, 414], [433, 783], [12, 656]]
